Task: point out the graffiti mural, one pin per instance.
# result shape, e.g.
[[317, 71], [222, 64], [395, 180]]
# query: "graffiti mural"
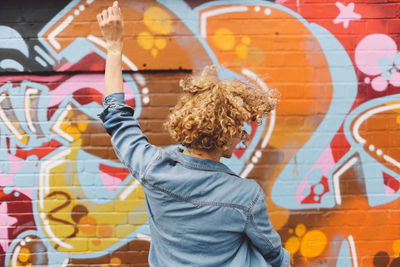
[[327, 157]]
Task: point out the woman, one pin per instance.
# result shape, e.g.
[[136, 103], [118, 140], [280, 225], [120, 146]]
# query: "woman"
[[200, 212]]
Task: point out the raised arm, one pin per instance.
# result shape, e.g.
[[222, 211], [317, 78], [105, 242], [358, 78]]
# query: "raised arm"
[[130, 144], [112, 28]]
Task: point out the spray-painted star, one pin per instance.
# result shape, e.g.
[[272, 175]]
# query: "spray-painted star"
[[346, 14]]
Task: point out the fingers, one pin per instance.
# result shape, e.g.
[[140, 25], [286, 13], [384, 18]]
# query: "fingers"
[[112, 12], [99, 18], [105, 15], [115, 9]]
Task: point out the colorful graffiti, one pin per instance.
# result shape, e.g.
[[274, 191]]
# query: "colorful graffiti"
[[327, 158]]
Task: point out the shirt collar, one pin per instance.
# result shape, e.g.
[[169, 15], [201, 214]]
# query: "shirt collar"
[[198, 163]]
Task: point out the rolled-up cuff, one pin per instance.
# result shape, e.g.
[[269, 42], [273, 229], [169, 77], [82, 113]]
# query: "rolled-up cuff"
[[115, 102], [114, 98]]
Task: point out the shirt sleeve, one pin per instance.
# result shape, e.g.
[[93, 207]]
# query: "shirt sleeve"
[[130, 144], [260, 231]]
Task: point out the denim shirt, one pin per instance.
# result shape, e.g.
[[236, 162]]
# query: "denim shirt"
[[200, 212]]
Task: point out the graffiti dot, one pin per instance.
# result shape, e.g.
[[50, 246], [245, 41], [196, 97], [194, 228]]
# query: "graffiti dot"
[[267, 11], [397, 60], [24, 255], [158, 20], [246, 40], [367, 80], [16, 194], [105, 230], [78, 212], [386, 75], [145, 90], [292, 245], [257, 8], [379, 152], [319, 189], [81, 7], [115, 261], [290, 231], [306, 191], [396, 247], [393, 71], [381, 259], [385, 63], [146, 100], [379, 84], [76, 12], [8, 189], [258, 154], [395, 79], [255, 56], [313, 243], [254, 159], [154, 52], [395, 262], [300, 230], [223, 39], [96, 242], [160, 43], [315, 176], [371, 50], [371, 147], [87, 225], [23, 243], [241, 51], [316, 198], [145, 40]]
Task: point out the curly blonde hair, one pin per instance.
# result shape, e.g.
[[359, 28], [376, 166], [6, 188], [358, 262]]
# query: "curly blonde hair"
[[211, 112]]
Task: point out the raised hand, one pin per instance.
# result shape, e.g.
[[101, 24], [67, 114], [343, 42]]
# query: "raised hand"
[[112, 27]]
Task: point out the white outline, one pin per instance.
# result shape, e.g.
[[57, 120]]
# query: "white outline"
[[55, 239], [7, 122], [391, 160], [57, 124], [353, 251], [57, 30], [255, 77], [15, 256], [143, 237], [365, 116], [271, 127], [247, 170], [140, 79], [336, 176], [271, 122], [101, 43], [65, 262], [28, 93], [44, 183], [129, 189], [205, 15]]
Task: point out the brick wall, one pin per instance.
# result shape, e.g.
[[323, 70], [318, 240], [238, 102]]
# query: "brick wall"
[[327, 159]]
